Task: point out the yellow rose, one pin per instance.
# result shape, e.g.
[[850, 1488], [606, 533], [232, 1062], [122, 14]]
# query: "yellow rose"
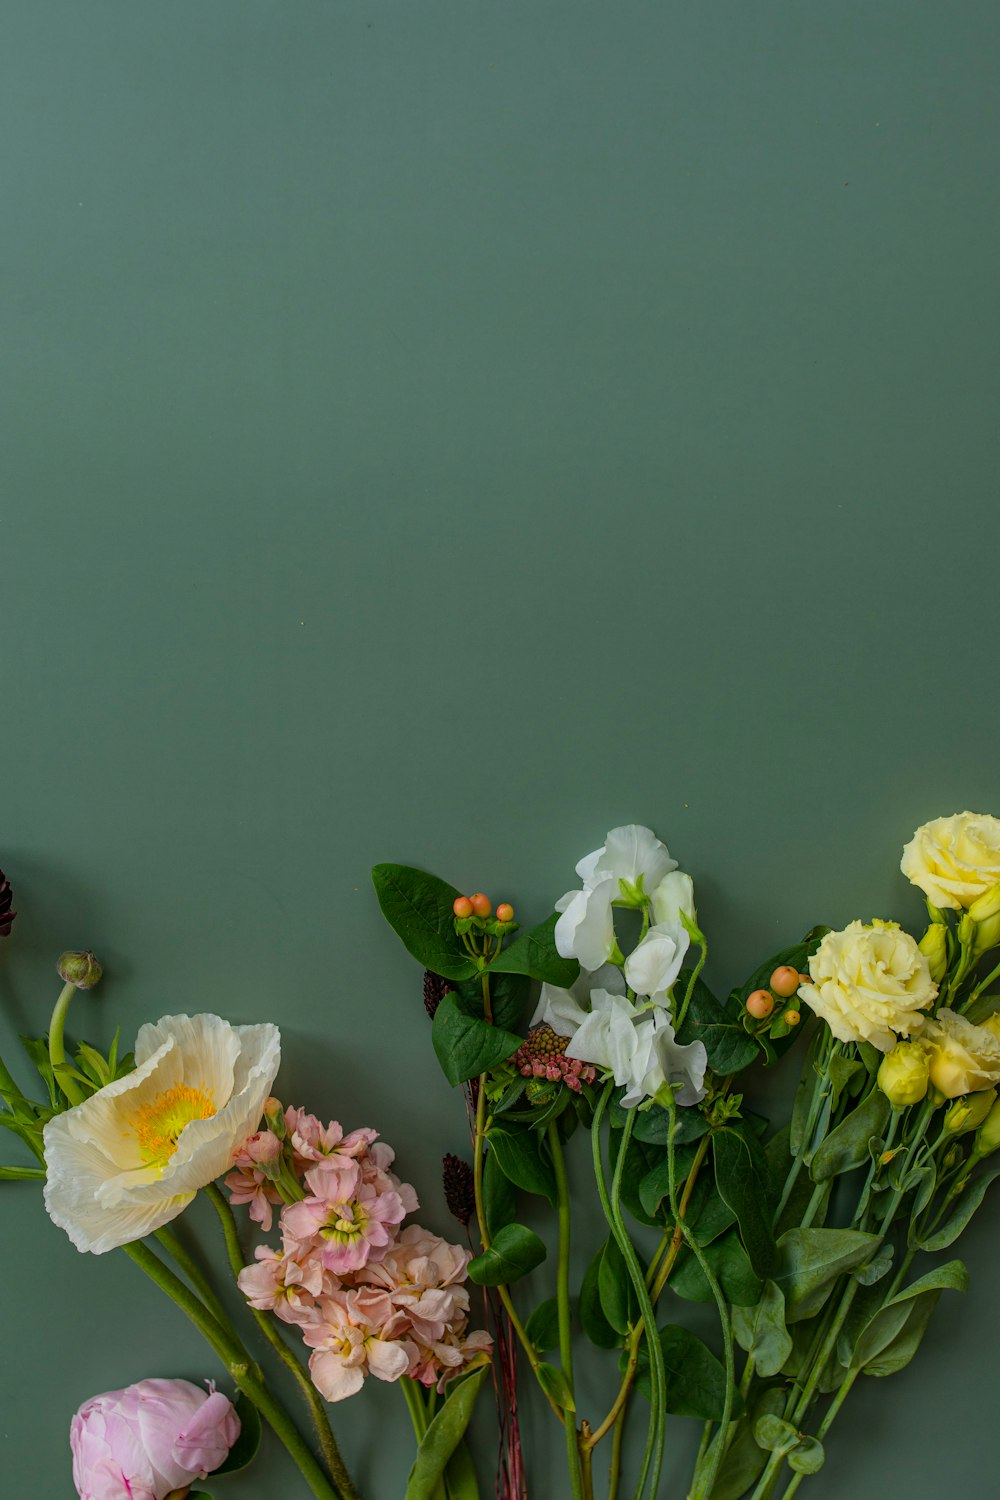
[[954, 860], [870, 984], [904, 1074], [964, 1058]]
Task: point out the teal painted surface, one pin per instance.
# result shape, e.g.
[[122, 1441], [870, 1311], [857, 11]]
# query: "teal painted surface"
[[438, 432]]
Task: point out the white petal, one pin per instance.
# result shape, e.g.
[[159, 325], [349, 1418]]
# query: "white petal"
[[633, 851], [75, 1172], [654, 965], [588, 865], [558, 1009], [673, 895], [206, 1049], [594, 937]]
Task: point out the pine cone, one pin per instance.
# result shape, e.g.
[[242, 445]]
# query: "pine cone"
[[6, 897], [459, 1188]]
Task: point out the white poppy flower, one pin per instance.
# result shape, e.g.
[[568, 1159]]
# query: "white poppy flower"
[[132, 1156], [640, 1049], [654, 964], [673, 895]]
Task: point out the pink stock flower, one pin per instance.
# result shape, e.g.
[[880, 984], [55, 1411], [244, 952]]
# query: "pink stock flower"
[[346, 1232], [250, 1182], [282, 1285], [149, 1439], [348, 1345]]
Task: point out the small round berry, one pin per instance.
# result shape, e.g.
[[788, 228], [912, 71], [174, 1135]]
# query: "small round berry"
[[791, 1018], [505, 912], [785, 981], [805, 979], [481, 905], [760, 1004], [462, 906]]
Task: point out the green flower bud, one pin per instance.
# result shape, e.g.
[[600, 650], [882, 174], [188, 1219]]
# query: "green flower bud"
[[987, 906], [969, 1112], [985, 913], [988, 1139], [934, 947], [904, 1073], [81, 969], [966, 930]]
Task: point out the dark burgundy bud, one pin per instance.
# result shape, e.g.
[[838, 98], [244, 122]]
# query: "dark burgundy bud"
[[6, 898], [459, 1188], [435, 989]]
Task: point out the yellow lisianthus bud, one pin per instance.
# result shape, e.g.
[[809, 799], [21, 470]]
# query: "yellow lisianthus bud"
[[964, 1059], [969, 1113], [988, 1139], [904, 1073], [987, 906], [985, 913], [934, 946]]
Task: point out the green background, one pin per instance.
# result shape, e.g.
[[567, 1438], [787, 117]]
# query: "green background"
[[440, 431]]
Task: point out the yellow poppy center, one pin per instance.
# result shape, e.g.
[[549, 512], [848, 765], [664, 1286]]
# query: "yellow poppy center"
[[159, 1123]]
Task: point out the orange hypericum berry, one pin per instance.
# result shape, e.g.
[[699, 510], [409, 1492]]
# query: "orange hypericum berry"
[[791, 1018], [785, 981], [805, 979], [760, 1004], [462, 906], [481, 905], [505, 912]]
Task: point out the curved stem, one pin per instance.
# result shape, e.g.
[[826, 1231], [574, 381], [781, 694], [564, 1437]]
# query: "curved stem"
[[692, 982], [57, 1047], [193, 1272], [311, 1396], [563, 1304], [236, 1360]]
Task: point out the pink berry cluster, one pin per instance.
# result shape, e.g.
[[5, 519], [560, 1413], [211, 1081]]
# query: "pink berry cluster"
[[541, 1055], [369, 1297]]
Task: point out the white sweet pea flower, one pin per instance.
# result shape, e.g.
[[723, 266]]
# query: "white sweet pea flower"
[[566, 1010], [631, 855], [654, 964], [132, 1156], [586, 929], [640, 1049], [674, 895]]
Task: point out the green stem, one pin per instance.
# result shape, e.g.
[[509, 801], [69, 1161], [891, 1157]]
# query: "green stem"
[[563, 1304], [236, 1360], [57, 1048], [193, 1272], [692, 982], [311, 1396], [413, 1396]]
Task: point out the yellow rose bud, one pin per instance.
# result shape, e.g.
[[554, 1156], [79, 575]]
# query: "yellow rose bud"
[[988, 1139], [904, 1073], [963, 1058], [969, 1113], [934, 946]]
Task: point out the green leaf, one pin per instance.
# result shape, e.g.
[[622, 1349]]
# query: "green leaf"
[[808, 1083], [37, 1049], [893, 1335], [20, 1174], [774, 1434], [796, 957], [843, 1072], [653, 1125], [618, 1300], [981, 1010], [846, 1147], [499, 1196], [554, 1384], [466, 1046], [742, 1178], [509, 994], [728, 1260], [720, 1028], [965, 1206], [443, 1436], [515, 1251], [244, 1450], [695, 1378], [807, 1457], [592, 1319], [520, 1158], [460, 1479], [542, 1327], [762, 1333], [418, 907], [745, 1459], [874, 1269], [643, 1163], [534, 952], [809, 1262]]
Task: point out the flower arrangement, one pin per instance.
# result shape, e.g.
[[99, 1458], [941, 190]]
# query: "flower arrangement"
[[820, 1242]]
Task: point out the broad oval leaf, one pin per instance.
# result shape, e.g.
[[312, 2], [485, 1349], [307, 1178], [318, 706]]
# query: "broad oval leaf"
[[762, 1333], [846, 1147], [443, 1436], [695, 1378], [618, 1300], [809, 1262], [542, 1327], [519, 1156], [733, 1271], [499, 1196], [534, 952], [466, 1046], [418, 907], [592, 1317], [555, 1385], [741, 1175], [720, 1028], [515, 1251]]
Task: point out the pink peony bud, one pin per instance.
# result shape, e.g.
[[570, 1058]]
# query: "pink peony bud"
[[154, 1437]]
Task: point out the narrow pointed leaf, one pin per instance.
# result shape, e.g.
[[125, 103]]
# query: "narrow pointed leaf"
[[443, 1436]]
